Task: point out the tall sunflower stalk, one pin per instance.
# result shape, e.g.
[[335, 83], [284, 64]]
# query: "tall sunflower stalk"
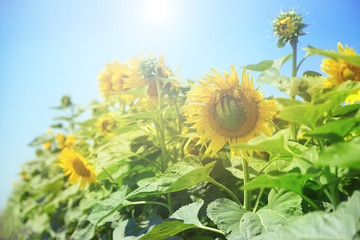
[[288, 26]]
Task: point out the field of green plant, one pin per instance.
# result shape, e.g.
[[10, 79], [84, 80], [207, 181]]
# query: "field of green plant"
[[163, 157]]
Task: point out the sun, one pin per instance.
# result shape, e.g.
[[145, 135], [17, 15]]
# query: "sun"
[[157, 11]]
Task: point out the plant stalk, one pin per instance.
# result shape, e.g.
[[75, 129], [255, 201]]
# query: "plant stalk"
[[294, 71], [232, 195], [247, 193]]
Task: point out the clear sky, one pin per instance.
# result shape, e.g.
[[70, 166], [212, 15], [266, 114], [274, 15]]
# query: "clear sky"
[[51, 48]]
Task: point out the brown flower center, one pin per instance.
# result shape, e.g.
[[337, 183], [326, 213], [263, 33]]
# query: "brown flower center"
[[230, 113], [80, 168]]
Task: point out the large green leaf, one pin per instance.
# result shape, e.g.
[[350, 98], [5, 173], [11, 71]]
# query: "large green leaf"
[[343, 223], [238, 223], [183, 219], [352, 59], [267, 64], [276, 143], [343, 154], [290, 181], [176, 178], [344, 110], [336, 130], [47, 137]]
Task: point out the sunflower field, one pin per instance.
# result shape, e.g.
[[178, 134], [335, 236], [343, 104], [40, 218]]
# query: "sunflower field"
[[163, 157]]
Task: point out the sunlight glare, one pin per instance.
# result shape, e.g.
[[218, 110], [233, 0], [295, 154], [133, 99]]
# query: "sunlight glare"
[[157, 11]]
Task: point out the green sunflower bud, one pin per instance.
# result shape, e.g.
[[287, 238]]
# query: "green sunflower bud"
[[288, 26]]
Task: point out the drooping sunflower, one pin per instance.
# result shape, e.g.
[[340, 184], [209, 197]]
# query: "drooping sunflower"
[[77, 167], [342, 71], [223, 111], [106, 126]]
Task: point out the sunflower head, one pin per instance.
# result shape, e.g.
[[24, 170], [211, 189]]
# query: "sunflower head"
[[66, 101], [47, 145], [77, 167], [146, 73], [106, 126], [223, 111], [113, 80], [60, 138], [341, 71], [288, 26]]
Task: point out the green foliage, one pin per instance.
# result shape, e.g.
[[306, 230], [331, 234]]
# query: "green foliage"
[[146, 174]]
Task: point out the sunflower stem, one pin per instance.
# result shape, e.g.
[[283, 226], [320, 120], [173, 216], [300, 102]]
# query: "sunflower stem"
[[109, 175], [294, 71], [258, 199], [247, 193], [232, 195], [161, 135]]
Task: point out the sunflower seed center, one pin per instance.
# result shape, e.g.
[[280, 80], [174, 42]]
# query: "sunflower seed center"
[[230, 113], [80, 168]]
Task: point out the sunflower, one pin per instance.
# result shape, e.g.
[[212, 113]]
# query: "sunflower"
[[65, 141], [342, 71], [145, 73], [106, 126], [224, 112], [288, 26], [77, 167], [112, 80]]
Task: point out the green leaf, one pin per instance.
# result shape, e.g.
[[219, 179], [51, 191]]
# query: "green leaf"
[[310, 114], [139, 91], [166, 229], [343, 223], [336, 130], [290, 181], [286, 102], [105, 210], [352, 59], [311, 74], [47, 137], [191, 178], [344, 110], [174, 179], [262, 66], [276, 143], [238, 223], [272, 76], [343, 154], [183, 219]]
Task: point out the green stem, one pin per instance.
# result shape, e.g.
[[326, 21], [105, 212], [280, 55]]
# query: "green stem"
[[109, 175], [258, 199], [294, 71], [150, 202], [161, 136], [232, 195], [247, 193], [308, 200], [212, 229]]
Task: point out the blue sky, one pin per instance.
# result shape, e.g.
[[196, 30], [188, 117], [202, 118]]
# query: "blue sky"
[[52, 48]]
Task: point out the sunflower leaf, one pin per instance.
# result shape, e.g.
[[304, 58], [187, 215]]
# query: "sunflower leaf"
[[352, 59], [184, 218], [290, 181], [275, 144], [343, 223], [343, 154], [238, 223], [335, 131]]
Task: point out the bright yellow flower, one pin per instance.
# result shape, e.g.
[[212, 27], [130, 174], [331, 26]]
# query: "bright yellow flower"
[[286, 26], [342, 71], [70, 140], [113, 78], [224, 112], [63, 141], [106, 125], [60, 138], [77, 167], [24, 175], [47, 145]]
